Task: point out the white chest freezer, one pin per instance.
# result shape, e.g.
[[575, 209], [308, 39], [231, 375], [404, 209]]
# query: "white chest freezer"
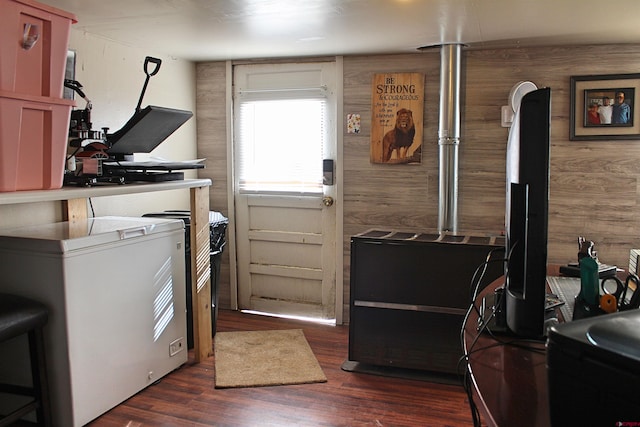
[[115, 288]]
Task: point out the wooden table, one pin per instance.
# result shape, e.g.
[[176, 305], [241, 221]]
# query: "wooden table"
[[509, 374], [75, 208]]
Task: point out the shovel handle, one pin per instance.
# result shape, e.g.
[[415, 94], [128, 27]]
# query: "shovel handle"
[[157, 63]]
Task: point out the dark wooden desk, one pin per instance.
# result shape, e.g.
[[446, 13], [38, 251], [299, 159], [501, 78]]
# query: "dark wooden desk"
[[509, 376]]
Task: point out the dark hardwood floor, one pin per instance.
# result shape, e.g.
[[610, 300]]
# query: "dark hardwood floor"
[[187, 396]]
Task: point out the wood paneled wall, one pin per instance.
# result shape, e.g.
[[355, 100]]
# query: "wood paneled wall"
[[211, 117], [594, 188]]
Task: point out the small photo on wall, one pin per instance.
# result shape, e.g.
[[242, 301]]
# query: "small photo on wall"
[[353, 123]]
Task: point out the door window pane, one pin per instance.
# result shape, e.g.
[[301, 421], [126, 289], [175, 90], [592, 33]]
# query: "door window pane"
[[281, 145]]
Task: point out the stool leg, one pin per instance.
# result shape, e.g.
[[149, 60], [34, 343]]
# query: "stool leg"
[[39, 374]]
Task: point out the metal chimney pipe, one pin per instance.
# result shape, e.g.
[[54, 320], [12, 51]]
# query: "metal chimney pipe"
[[449, 136]]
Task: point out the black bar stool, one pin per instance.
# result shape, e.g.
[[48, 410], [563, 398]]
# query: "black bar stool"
[[18, 316]]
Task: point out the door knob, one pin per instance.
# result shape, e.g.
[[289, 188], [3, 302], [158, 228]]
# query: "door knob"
[[327, 201]]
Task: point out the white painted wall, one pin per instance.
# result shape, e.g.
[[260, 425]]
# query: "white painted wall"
[[112, 76]]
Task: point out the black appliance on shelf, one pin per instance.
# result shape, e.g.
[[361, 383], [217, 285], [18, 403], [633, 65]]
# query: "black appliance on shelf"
[[143, 132]]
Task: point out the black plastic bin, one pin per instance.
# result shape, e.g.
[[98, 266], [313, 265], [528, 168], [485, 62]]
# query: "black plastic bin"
[[218, 227]]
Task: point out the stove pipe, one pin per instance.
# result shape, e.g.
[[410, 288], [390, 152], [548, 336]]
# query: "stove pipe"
[[449, 136]]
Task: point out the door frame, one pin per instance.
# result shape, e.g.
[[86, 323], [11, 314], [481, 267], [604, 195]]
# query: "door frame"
[[339, 167]]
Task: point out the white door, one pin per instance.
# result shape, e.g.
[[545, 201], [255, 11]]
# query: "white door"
[[284, 131]]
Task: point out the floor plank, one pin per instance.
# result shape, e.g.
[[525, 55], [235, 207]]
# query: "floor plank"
[[187, 396]]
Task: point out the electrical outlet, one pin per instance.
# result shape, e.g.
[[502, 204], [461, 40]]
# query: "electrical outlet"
[[176, 346]]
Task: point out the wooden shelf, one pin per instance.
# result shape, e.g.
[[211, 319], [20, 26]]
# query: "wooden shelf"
[[69, 193]]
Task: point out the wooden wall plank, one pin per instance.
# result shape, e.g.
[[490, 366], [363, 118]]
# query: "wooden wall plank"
[[211, 116]]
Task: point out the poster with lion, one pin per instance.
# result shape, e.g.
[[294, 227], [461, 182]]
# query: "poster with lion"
[[397, 105]]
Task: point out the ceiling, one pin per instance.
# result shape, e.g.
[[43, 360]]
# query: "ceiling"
[[202, 30]]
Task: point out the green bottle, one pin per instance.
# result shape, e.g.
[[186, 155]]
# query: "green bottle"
[[589, 292]]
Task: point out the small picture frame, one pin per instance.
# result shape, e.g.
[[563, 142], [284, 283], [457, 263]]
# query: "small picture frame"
[[604, 107]]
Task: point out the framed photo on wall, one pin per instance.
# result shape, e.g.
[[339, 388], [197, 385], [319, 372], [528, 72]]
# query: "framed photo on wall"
[[604, 107]]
